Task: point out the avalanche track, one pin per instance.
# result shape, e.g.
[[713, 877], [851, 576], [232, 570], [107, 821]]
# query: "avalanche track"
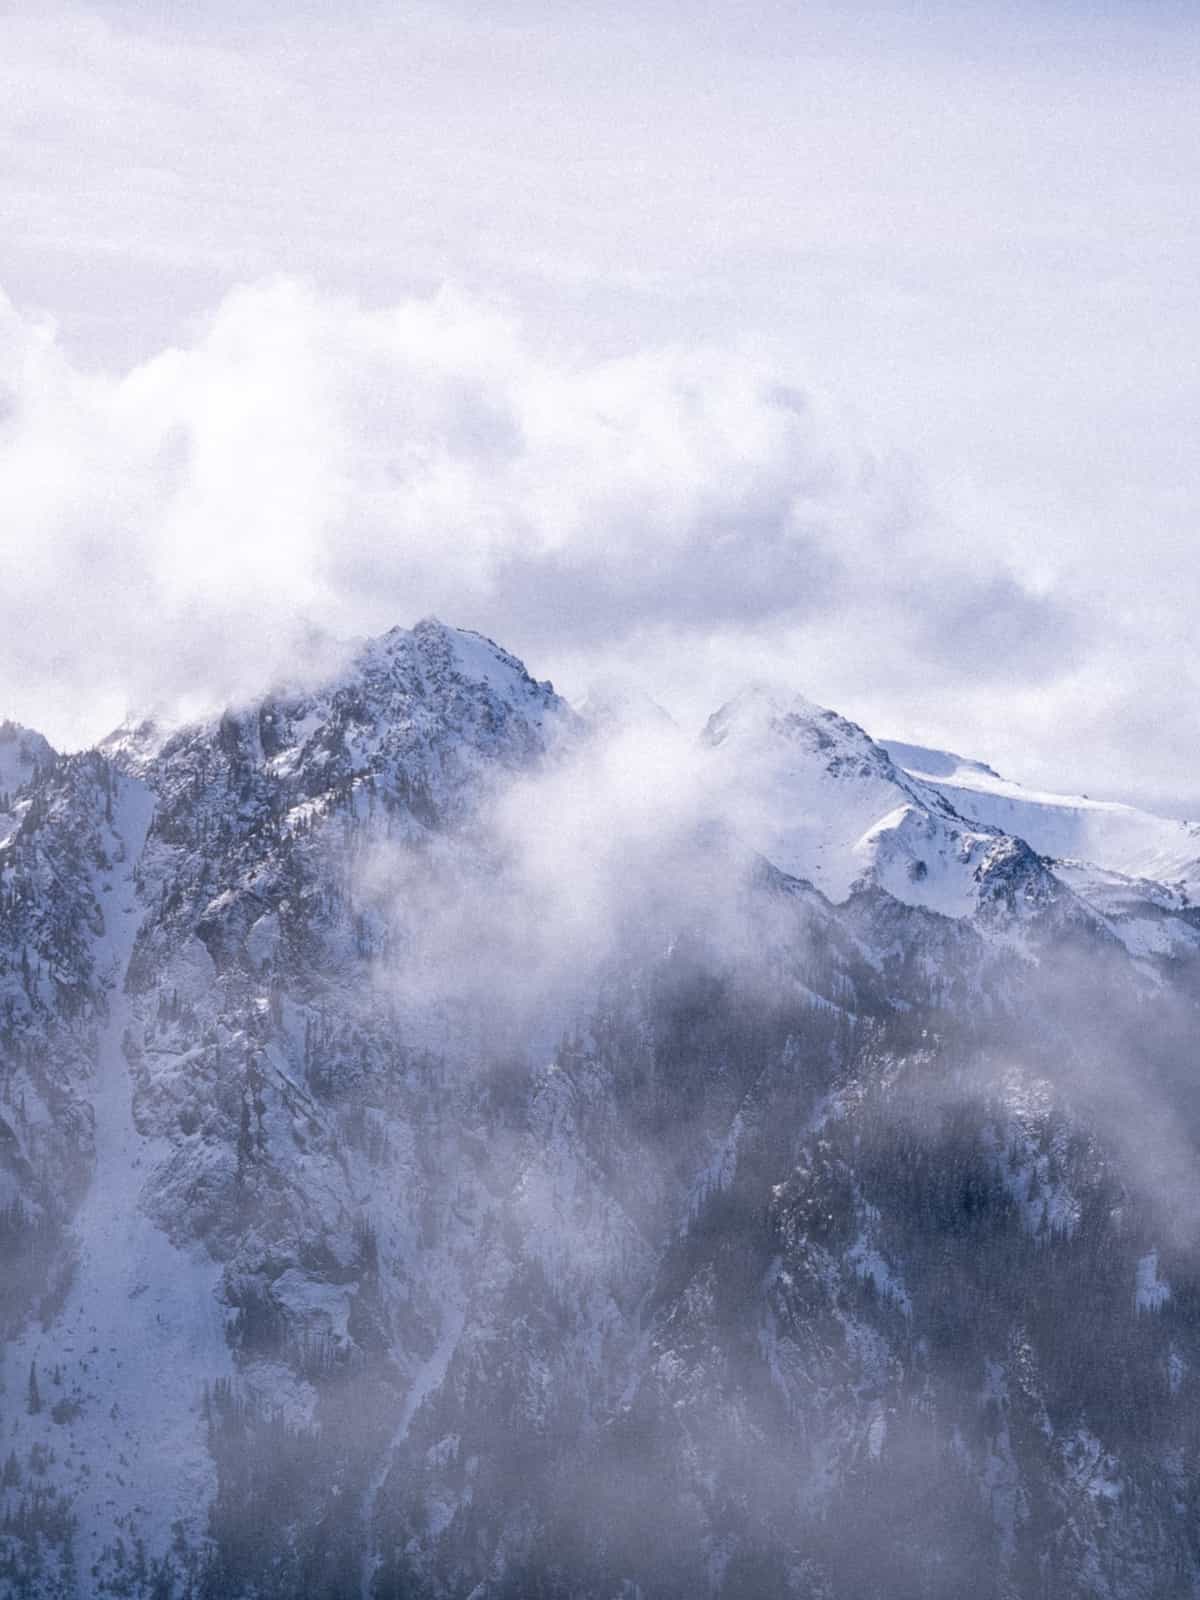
[[122, 1365]]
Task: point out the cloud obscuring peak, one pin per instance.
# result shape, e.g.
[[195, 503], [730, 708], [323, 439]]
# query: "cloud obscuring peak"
[[308, 468], [307, 465]]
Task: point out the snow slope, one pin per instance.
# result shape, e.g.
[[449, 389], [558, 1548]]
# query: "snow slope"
[[823, 802], [141, 1330], [1119, 838], [426, 1381]]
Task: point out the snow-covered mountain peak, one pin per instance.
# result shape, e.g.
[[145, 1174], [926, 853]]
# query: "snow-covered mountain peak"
[[409, 690], [441, 656], [417, 725], [823, 801], [430, 673], [789, 731]]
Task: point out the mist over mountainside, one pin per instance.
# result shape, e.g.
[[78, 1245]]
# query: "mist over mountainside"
[[453, 1144]]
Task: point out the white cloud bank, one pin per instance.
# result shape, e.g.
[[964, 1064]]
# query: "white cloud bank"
[[685, 517], [977, 226]]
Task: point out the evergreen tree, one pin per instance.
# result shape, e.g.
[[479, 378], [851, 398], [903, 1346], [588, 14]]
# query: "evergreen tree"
[[33, 1396]]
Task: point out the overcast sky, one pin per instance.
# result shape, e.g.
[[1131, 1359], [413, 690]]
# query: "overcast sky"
[[854, 348]]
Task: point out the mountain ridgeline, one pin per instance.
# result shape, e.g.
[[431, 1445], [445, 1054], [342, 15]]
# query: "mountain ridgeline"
[[452, 1145]]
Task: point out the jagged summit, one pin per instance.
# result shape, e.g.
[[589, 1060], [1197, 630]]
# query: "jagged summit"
[[430, 661], [422, 712], [436, 649]]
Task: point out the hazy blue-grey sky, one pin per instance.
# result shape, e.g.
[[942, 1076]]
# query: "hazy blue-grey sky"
[[852, 346]]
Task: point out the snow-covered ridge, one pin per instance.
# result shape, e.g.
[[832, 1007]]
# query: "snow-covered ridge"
[[825, 802], [430, 712], [1116, 837]]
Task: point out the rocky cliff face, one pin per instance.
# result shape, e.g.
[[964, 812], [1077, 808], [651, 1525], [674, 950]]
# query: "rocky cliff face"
[[455, 1147]]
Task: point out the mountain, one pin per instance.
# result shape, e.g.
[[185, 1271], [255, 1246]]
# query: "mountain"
[[455, 1145]]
